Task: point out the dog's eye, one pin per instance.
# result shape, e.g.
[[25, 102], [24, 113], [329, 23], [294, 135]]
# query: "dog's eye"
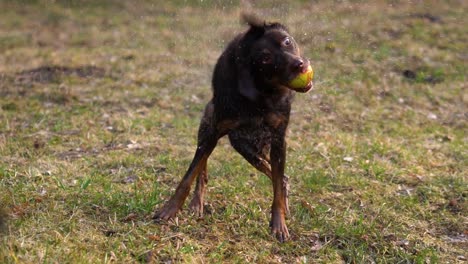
[[286, 42]]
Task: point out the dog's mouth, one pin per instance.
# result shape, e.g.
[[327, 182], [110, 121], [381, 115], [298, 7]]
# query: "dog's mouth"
[[301, 76], [300, 87], [305, 89]]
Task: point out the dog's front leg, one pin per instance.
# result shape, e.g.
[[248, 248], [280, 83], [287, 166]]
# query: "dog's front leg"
[[279, 207]]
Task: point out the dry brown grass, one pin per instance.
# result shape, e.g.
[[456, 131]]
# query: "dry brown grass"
[[377, 153]]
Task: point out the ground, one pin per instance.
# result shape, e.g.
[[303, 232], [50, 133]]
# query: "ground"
[[100, 103]]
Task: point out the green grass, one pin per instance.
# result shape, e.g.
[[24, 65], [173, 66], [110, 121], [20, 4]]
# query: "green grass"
[[376, 154]]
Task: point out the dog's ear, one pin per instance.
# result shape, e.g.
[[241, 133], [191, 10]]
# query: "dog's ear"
[[257, 26], [246, 83], [252, 20]]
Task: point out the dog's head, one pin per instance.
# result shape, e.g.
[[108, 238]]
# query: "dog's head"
[[269, 55]]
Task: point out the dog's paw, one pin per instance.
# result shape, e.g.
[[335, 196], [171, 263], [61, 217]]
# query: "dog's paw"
[[281, 233], [279, 229], [166, 213], [196, 206]]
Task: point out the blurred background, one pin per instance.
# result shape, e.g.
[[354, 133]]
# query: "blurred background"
[[100, 103]]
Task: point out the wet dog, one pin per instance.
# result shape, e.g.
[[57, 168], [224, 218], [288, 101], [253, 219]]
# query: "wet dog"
[[251, 104]]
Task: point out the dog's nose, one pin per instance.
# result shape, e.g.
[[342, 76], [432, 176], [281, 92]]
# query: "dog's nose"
[[298, 65]]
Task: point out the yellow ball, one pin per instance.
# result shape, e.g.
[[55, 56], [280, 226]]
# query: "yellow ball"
[[302, 79]]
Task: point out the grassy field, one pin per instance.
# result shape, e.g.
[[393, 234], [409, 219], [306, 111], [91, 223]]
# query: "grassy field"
[[100, 103]]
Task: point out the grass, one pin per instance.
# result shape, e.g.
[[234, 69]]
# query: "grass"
[[100, 102]]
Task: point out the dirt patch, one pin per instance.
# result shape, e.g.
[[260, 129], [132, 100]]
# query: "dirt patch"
[[427, 16], [53, 73], [424, 75]]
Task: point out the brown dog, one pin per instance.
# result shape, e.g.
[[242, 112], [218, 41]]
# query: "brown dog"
[[251, 104]]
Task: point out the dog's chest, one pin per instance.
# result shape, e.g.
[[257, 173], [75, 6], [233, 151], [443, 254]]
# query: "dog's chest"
[[255, 131], [264, 123]]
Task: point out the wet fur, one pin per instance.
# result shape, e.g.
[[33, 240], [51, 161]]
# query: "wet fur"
[[251, 105]]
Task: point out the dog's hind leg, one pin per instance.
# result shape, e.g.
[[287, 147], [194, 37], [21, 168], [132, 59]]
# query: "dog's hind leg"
[[174, 204], [256, 153], [208, 137], [196, 205], [251, 152]]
